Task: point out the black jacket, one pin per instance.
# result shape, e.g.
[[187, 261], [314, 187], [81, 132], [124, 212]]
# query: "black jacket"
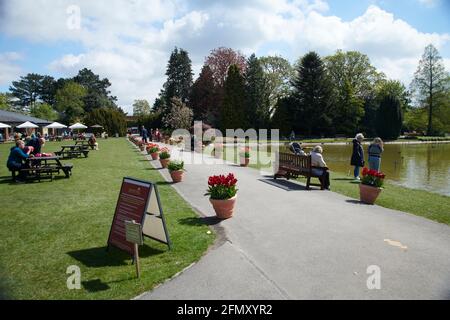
[[357, 154]]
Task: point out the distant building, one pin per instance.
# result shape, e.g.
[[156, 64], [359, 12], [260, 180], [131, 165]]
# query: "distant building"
[[14, 119]]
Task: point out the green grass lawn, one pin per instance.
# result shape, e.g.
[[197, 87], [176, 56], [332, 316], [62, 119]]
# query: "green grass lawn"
[[419, 202], [46, 227]]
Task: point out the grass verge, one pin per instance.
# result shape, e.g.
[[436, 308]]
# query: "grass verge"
[[46, 227]]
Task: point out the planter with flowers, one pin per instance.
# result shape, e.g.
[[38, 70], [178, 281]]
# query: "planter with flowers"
[[176, 170], [141, 145], [153, 150], [244, 157], [371, 185], [222, 191], [164, 157]]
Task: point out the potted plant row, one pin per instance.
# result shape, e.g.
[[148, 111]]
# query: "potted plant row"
[[371, 185], [164, 157], [176, 170], [222, 194], [153, 150]]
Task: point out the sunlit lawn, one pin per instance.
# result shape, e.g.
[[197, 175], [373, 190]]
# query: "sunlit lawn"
[[46, 227]]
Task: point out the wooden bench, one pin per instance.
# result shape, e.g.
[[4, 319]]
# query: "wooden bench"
[[291, 165], [69, 154]]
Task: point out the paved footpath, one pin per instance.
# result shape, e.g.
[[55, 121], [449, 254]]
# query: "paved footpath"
[[285, 242]]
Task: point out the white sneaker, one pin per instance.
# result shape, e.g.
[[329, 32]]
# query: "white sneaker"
[[357, 179]]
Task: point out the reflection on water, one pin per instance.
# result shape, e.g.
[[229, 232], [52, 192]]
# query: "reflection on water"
[[417, 166]]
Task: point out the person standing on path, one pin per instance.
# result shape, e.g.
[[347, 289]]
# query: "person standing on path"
[[357, 155], [375, 151], [144, 134]]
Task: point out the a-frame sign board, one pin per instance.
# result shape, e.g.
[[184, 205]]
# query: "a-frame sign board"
[[139, 201]]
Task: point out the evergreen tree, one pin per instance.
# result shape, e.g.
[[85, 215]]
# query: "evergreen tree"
[[312, 96], [70, 102], [203, 96], [233, 108], [257, 107], [179, 77], [282, 118], [27, 90], [389, 118], [112, 120]]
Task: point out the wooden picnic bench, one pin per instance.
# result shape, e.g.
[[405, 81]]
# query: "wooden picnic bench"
[[73, 151], [292, 166], [85, 144], [40, 168]]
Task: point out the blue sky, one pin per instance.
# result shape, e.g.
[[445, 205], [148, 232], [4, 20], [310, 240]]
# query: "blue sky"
[[130, 41]]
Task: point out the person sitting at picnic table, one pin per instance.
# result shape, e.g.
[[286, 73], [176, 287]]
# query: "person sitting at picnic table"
[[36, 143], [93, 142], [16, 160], [320, 167]]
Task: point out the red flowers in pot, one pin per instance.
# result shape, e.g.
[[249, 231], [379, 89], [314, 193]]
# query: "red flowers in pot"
[[222, 191], [371, 185]]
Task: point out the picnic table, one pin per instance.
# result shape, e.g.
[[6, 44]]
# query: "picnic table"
[[44, 167], [85, 144], [73, 151]]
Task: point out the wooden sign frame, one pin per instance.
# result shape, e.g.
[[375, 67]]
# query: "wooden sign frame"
[[141, 217]]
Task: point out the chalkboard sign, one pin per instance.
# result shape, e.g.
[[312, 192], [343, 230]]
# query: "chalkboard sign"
[[138, 201]]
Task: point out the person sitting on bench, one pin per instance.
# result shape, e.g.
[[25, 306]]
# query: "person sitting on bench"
[[16, 160], [36, 143], [320, 167], [297, 149], [93, 142]]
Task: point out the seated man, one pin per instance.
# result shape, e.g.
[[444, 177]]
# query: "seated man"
[[297, 149], [37, 144], [320, 168], [16, 160]]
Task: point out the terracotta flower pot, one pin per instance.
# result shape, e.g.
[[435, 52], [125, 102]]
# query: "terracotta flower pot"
[[223, 208], [155, 155], [164, 162], [244, 162], [177, 176], [368, 194]]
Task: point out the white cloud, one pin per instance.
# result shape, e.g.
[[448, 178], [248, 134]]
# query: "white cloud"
[[9, 69], [129, 41]]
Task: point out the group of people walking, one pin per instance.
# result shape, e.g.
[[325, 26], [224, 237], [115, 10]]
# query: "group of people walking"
[[153, 135]]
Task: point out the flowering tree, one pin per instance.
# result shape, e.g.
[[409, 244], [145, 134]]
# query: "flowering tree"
[[220, 59], [179, 116]]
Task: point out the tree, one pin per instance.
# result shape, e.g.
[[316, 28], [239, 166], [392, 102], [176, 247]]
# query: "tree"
[[220, 60], [389, 118], [203, 97], [233, 108], [429, 80], [70, 101], [180, 116], [312, 95], [113, 121], [98, 93], [141, 108], [179, 76], [47, 90], [257, 106], [43, 110], [278, 73], [5, 102], [27, 90], [282, 118]]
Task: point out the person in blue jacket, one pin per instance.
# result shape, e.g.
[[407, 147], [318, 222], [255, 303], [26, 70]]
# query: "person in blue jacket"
[[16, 160], [144, 134]]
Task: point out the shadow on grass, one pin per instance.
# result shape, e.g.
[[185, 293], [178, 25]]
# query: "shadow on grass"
[[357, 202], [100, 257], [200, 221], [95, 285], [343, 179]]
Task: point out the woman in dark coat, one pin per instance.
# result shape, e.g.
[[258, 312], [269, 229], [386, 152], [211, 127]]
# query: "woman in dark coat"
[[357, 155]]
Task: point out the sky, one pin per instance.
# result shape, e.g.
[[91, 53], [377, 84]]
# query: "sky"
[[129, 41]]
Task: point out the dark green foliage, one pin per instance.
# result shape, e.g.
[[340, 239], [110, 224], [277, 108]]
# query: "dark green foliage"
[[283, 119], [113, 121], [257, 106], [312, 96], [389, 118], [233, 108], [179, 78], [98, 94], [27, 90], [203, 96]]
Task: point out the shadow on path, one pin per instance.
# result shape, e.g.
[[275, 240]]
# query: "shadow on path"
[[285, 184], [201, 221]]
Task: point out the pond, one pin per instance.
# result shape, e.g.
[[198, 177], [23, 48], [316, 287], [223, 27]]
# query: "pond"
[[418, 166]]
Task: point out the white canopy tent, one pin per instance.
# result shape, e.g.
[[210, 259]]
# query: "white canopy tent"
[[56, 125], [4, 126], [78, 126], [27, 125]]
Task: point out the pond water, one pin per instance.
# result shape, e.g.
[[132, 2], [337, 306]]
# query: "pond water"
[[417, 166]]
